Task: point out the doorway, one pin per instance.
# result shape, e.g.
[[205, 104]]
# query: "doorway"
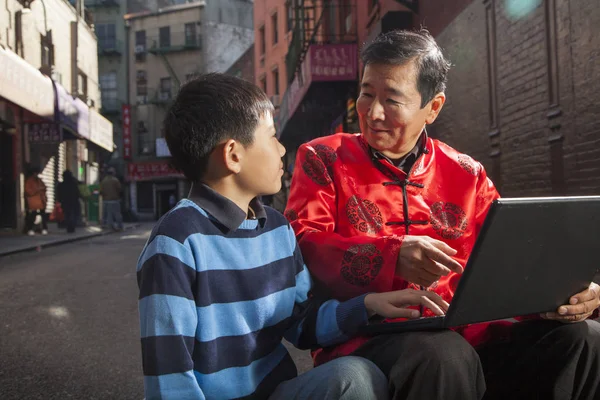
[[166, 197], [8, 195]]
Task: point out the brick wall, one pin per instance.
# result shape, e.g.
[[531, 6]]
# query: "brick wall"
[[542, 137]]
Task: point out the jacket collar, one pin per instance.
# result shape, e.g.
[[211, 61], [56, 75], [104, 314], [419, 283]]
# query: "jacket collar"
[[224, 210]]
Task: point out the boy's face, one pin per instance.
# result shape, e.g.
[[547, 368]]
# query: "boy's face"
[[262, 168]]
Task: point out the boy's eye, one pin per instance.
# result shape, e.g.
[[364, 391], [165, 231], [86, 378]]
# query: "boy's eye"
[[369, 95]]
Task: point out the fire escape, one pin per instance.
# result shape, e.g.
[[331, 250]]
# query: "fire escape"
[[319, 22]]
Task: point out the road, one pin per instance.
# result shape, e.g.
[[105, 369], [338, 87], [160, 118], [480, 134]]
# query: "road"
[[69, 321]]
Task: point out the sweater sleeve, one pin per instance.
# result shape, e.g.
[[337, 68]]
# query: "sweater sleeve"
[[312, 211], [316, 321], [168, 319]]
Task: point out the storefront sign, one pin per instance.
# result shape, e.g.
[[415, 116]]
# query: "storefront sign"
[[333, 62], [126, 117], [45, 132], [151, 170], [24, 85], [101, 131], [73, 113]]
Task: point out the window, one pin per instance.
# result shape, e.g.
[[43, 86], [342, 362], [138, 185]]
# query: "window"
[[140, 45], [372, 5], [164, 37], [165, 88], [82, 86], [47, 48], [108, 91], [141, 83], [263, 84], [140, 38], [290, 16], [274, 25], [276, 81], [107, 36], [190, 35], [261, 33], [346, 17]]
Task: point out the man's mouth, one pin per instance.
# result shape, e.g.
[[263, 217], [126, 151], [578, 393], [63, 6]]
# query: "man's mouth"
[[377, 130]]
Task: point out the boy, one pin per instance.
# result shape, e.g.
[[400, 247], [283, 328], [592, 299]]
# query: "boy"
[[222, 279]]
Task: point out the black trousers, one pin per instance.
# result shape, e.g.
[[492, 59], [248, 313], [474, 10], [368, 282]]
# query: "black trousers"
[[543, 360], [30, 219]]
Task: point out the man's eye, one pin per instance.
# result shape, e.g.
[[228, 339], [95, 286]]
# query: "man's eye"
[[369, 95], [391, 101]]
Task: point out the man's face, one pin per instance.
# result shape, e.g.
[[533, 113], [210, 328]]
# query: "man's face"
[[262, 167], [389, 108]]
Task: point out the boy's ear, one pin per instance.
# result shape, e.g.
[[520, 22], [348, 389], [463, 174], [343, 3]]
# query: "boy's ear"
[[233, 153]]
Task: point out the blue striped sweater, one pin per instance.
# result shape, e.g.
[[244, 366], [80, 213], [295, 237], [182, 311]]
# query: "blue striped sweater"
[[218, 292]]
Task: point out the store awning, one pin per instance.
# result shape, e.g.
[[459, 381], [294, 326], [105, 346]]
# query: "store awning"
[[101, 131], [22, 84]]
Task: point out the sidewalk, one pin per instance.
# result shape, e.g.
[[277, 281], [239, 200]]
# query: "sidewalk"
[[13, 243]]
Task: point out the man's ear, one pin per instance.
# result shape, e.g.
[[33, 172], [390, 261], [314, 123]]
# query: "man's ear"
[[436, 106], [233, 154]]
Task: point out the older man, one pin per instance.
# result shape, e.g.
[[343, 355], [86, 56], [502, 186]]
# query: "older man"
[[390, 208]]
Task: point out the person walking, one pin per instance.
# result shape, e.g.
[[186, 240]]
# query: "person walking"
[[68, 194], [36, 201], [110, 189]]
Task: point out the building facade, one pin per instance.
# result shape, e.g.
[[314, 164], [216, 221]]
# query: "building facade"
[[244, 66], [166, 50], [517, 93], [529, 69], [109, 25], [227, 32], [49, 99], [273, 23]]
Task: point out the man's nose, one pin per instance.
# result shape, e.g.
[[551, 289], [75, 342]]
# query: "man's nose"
[[282, 149], [376, 111]]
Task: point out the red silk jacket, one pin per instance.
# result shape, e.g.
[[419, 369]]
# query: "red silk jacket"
[[350, 211]]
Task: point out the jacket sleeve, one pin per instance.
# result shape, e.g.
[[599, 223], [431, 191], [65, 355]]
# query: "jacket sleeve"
[[316, 321], [168, 320], [485, 196], [344, 267]]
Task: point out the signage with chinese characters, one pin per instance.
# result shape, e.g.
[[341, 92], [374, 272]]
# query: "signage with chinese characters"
[[45, 132], [126, 110], [333, 62], [150, 170]]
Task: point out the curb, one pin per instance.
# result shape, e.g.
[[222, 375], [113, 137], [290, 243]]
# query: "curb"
[[65, 241]]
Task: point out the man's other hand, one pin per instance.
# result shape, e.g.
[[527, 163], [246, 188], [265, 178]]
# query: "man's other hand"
[[394, 304], [423, 260], [580, 306]]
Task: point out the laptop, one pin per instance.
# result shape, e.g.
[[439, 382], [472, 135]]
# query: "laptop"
[[531, 256]]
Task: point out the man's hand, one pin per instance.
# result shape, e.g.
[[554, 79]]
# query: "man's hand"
[[394, 304], [423, 260], [580, 306]]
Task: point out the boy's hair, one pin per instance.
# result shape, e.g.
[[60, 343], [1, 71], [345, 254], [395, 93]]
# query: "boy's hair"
[[400, 47], [208, 110]]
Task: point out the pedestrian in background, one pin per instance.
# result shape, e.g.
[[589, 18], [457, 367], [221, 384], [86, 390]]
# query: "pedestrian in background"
[[36, 201], [110, 189], [68, 194]]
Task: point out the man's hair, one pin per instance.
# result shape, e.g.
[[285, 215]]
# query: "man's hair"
[[400, 47], [208, 110]]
